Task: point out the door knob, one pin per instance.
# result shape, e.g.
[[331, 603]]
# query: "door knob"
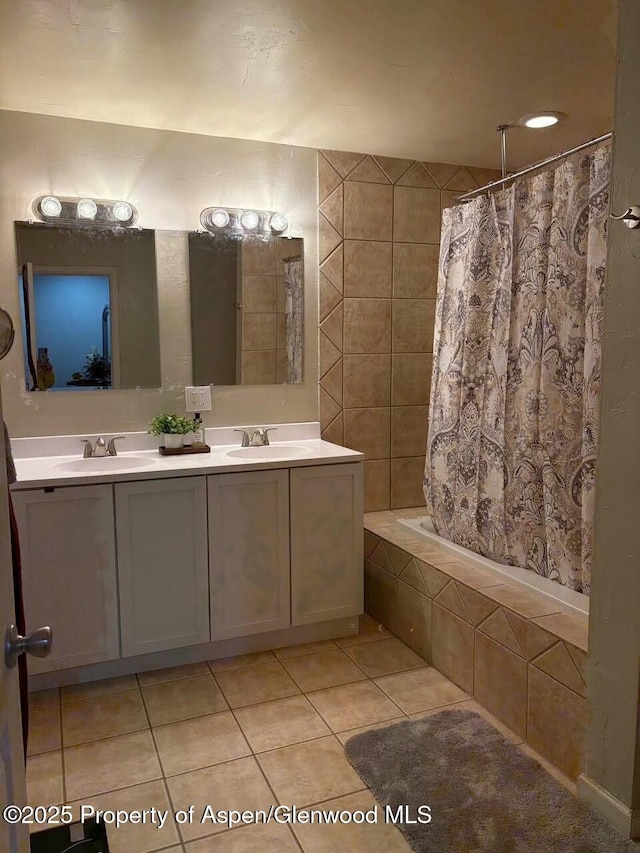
[[37, 643]]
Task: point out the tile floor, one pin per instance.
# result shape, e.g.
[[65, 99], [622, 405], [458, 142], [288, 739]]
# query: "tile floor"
[[241, 733]]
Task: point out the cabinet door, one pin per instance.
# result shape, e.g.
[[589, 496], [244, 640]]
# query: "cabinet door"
[[69, 572], [162, 564], [249, 547], [326, 542]]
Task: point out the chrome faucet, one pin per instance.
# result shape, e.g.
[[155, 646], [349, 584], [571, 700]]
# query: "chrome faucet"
[[100, 448], [259, 437]]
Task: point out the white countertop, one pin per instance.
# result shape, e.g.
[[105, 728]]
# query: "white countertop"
[[59, 468]]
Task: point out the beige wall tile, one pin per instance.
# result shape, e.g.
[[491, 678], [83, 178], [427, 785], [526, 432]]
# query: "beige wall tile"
[[369, 431], [332, 326], [414, 620], [259, 331], [448, 198], [498, 627], [368, 211], [328, 178], [367, 380], [413, 321], [335, 431], [532, 638], [332, 207], [416, 215], [415, 270], [406, 481], [409, 430], [329, 409], [558, 663], [394, 167], [500, 683], [329, 353], [450, 599], [441, 172], [259, 294], [343, 161], [329, 296], [369, 170], [526, 604], [452, 648], [417, 176], [328, 238], [259, 367], [380, 595], [572, 628], [333, 267], [411, 379], [398, 557], [478, 605], [377, 484], [412, 576], [556, 722], [463, 181], [332, 382], [367, 268], [367, 325]]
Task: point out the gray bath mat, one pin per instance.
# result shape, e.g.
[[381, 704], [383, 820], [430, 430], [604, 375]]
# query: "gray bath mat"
[[485, 794]]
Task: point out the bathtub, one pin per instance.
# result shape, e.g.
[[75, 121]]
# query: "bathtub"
[[567, 599]]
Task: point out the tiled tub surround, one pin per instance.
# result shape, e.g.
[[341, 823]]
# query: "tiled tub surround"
[[240, 733], [517, 654], [379, 220]]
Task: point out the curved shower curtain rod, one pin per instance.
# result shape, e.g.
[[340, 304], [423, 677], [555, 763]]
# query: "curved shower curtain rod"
[[494, 184]]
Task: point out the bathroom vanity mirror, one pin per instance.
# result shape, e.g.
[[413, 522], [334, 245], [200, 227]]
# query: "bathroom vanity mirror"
[[247, 298], [89, 307]]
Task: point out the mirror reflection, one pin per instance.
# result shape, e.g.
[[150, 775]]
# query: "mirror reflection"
[[247, 299], [89, 307]]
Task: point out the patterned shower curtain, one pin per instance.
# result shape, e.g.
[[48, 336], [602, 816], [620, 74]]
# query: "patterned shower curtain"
[[293, 311], [513, 418]]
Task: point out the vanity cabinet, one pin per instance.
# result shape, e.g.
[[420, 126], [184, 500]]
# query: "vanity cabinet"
[[67, 546], [162, 564], [249, 553], [326, 542]]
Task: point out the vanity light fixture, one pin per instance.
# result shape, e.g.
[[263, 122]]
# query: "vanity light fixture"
[[51, 206], [87, 208], [238, 222], [250, 220], [65, 210]]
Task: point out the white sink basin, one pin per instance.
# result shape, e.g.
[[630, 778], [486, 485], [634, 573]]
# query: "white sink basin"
[[106, 463], [271, 451]]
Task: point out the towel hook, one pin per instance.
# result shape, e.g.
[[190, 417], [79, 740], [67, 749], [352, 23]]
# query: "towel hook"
[[631, 216]]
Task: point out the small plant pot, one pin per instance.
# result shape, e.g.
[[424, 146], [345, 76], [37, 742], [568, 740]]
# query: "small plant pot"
[[172, 441], [187, 439]]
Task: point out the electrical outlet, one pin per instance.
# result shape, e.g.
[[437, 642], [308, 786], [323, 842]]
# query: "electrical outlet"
[[198, 398]]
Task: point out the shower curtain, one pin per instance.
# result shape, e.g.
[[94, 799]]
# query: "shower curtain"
[[293, 310], [513, 418]]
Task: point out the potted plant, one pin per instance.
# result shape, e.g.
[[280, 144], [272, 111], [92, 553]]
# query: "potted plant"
[[172, 428]]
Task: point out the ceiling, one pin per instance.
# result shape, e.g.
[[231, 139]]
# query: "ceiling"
[[426, 79]]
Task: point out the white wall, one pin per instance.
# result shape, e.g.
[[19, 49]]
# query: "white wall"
[[170, 177]]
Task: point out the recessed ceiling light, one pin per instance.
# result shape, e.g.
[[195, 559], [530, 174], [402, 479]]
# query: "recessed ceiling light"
[[542, 119]]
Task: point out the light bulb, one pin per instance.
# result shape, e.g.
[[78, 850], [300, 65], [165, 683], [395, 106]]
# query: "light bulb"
[[220, 218], [122, 211], [278, 222], [538, 120], [51, 206], [87, 208], [249, 220]]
